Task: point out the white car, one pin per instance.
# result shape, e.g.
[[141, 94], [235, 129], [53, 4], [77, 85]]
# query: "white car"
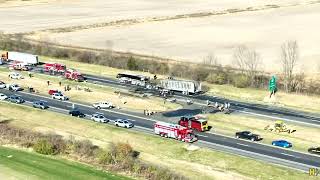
[[15, 75], [101, 105], [99, 117], [3, 97], [123, 123], [2, 85], [59, 96], [15, 87]]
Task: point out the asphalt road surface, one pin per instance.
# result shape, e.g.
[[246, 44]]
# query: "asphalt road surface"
[[289, 158]]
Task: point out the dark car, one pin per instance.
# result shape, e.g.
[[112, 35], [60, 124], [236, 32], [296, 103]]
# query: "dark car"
[[314, 150], [248, 135], [77, 113], [16, 99], [40, 104]]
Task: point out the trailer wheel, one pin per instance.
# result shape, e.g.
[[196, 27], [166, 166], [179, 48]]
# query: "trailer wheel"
[[165, 135]]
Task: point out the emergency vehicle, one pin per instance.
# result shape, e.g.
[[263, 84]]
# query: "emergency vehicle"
[[174, 131], [194, 123], [54, 67], [73, 75]]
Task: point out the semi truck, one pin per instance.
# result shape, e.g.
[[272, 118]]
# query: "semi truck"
[[194, 123], [25, 58], [174, 131], [184, 86]]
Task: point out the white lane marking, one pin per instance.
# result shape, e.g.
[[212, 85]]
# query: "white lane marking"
[[289, 155], [201, 135], [257, 154], [279, 118], [243, 144], [156, 120]]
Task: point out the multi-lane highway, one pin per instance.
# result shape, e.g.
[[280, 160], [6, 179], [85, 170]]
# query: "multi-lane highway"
[[289, 158], [259, 110]]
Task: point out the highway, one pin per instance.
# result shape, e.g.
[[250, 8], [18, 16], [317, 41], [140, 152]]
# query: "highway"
[[258, 110], [256, 150]]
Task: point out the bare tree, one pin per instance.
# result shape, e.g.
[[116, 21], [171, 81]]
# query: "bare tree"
[[289, 58], [211, 59], [247, 61]]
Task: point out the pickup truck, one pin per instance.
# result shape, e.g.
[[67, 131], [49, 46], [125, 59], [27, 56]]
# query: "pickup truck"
[[103, 105]]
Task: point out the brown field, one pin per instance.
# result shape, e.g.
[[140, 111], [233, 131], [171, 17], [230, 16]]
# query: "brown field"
[[194, 28]]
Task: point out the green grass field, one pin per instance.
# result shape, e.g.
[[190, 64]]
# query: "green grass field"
[[18, 164], [199, 164]]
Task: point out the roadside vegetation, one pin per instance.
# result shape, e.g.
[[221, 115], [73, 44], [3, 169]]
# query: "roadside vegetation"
[[98, 93], [228, 81], [21, 164], [303, 138], [200, 163]]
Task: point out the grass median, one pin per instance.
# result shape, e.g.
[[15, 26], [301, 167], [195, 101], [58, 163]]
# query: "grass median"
[[125, 100], [19, 164], [293, 101], [198, 164]]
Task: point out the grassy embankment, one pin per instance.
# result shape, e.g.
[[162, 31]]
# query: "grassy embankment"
[[18, 164], [302, 139], [199, 164], [99, 93], [293, 101]]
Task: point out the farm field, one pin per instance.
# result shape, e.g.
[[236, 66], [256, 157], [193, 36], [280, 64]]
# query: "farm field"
[[195, 38], [19, 164], [169, 153], [40, 14]]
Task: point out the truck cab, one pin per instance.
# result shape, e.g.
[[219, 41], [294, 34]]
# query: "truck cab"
[[193, 123]]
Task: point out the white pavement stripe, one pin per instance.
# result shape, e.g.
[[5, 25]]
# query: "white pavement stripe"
[[279, 118], [289, 155], [243, 144], [201, 135]]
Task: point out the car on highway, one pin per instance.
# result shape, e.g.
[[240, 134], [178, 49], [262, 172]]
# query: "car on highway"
[[40, 104], [103, 105], [123, 123], [314, 150], [15, 87], [16, 99], [99, 117], [3, 97], [59, 96], [247, 135], [15, 75], [77, 113], [282, 143], [2, 85]]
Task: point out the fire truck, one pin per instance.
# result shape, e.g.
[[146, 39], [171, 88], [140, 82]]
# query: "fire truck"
[[174, 131], [73, 75], [54, 67], [194, 123]]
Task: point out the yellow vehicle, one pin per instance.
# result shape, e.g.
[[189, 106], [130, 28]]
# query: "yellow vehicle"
[[278, 127]]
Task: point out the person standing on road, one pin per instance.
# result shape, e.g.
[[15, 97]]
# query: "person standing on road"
[[29, 74], [48, 82], [60, 83]]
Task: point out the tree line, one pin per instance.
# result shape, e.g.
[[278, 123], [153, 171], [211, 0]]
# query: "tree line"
[[246, 72]]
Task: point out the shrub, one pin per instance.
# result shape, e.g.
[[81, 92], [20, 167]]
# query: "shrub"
[[43, 147], [84, 148], [241, 81], [104, 157]]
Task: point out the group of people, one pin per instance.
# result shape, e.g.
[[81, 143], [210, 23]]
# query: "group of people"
[[221, 107], [148, 112]]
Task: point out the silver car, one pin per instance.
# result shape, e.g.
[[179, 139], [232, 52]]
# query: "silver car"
[[99, 117], [123, 123]]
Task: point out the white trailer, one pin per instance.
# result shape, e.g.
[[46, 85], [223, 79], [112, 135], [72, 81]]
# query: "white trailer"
[[184, 86], [23, 58]]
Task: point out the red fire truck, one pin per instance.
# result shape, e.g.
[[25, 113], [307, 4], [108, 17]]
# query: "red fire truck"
[[73, 75], [174, 131], [54, 67], [194, 123]]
